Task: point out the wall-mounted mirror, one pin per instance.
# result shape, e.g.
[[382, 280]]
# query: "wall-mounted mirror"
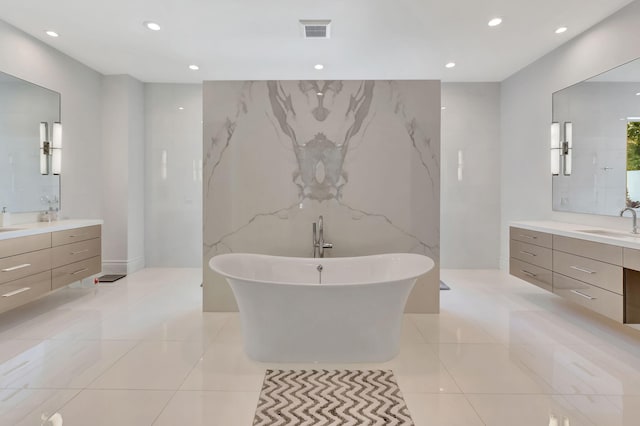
[[604, 112], [23, 106]]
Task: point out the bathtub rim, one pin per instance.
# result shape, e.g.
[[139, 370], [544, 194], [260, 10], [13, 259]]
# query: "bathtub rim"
[[430, 264]]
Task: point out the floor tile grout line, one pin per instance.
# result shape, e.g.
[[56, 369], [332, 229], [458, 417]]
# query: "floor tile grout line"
[[198, 360], [466, 398], [585, 415], [415, 324], [114, 363], [79, 391]]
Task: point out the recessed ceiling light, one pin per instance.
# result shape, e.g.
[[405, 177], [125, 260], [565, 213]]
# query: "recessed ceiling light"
[[638, 94], [51, 33], [152, 26], [194, 67], [320, 94], [181, 108], [318, 66], [561, 30], [443, 108], [450, 65], [495, 22]]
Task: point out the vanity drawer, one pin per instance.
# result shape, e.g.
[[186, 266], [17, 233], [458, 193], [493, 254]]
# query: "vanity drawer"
[[536, 255], [74, 235], [601, 301], [531, 273], [532, 237], [631, 258], [75, 272], [603, 275], [20, 245], [22, 265], [24, 290], [69, 253], [602, 252]]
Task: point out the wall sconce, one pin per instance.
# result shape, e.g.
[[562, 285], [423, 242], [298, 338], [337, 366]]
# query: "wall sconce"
[[51, 148], [567, 147], [561, 149], [555, 149]]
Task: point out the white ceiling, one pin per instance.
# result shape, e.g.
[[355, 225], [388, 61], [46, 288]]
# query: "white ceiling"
[[260, 39]]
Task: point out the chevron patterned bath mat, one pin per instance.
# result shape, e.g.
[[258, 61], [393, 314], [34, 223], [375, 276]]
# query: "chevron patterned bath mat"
[[331, 398]]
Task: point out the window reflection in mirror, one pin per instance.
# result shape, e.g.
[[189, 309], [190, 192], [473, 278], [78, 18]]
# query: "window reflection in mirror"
[[633, 164]]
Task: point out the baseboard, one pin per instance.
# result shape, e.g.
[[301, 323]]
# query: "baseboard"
[[122, 266], [136, 264]]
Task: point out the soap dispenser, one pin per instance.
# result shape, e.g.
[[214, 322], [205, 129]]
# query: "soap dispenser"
[[5, 217]]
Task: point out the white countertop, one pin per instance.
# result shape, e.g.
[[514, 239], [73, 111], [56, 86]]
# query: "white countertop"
[[573, 230], [25, 229]]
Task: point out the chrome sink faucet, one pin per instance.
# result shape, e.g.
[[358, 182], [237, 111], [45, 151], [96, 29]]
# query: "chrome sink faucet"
[[633, 214], [318, 239]]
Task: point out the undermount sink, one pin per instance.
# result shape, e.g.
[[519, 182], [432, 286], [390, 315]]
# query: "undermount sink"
[[9, 229], [609, 233]]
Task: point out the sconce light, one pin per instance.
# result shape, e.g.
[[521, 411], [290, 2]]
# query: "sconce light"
[[567, 147], [51, 148], [561, 149], [555, 148], [44, 148]]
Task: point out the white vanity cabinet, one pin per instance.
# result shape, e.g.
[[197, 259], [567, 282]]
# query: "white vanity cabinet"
[[44, 260], [601, 276]]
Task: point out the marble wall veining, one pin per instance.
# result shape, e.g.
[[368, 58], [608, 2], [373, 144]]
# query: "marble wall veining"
[[364, 154]]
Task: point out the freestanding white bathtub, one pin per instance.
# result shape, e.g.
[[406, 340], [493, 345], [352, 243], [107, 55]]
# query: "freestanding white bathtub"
[[353, 315]]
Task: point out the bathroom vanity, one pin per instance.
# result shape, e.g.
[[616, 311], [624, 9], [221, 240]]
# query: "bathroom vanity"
[[38, 258], [596, 268]]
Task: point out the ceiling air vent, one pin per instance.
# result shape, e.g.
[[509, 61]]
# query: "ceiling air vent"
[[315, 28]]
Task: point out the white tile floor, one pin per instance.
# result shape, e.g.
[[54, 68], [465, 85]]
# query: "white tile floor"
[[141, 352]]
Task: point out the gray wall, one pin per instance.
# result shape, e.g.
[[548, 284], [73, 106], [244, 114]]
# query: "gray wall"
[[470, 209], [526, 115], [173, 191], [123, 157], [93, 174], [81, 92]]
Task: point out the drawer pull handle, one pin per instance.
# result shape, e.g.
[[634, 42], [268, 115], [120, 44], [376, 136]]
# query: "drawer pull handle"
[[78, 252], [586, 296], [528, 253], [18, 291], [586, 271], [77, 235], [79, 271], [529, 274], [531, 237], [15, 268]]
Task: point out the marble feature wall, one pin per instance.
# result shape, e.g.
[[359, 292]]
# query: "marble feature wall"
[[364, 154]]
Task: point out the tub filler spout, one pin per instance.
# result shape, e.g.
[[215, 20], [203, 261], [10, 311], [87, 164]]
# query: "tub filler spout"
[[319, 243]]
